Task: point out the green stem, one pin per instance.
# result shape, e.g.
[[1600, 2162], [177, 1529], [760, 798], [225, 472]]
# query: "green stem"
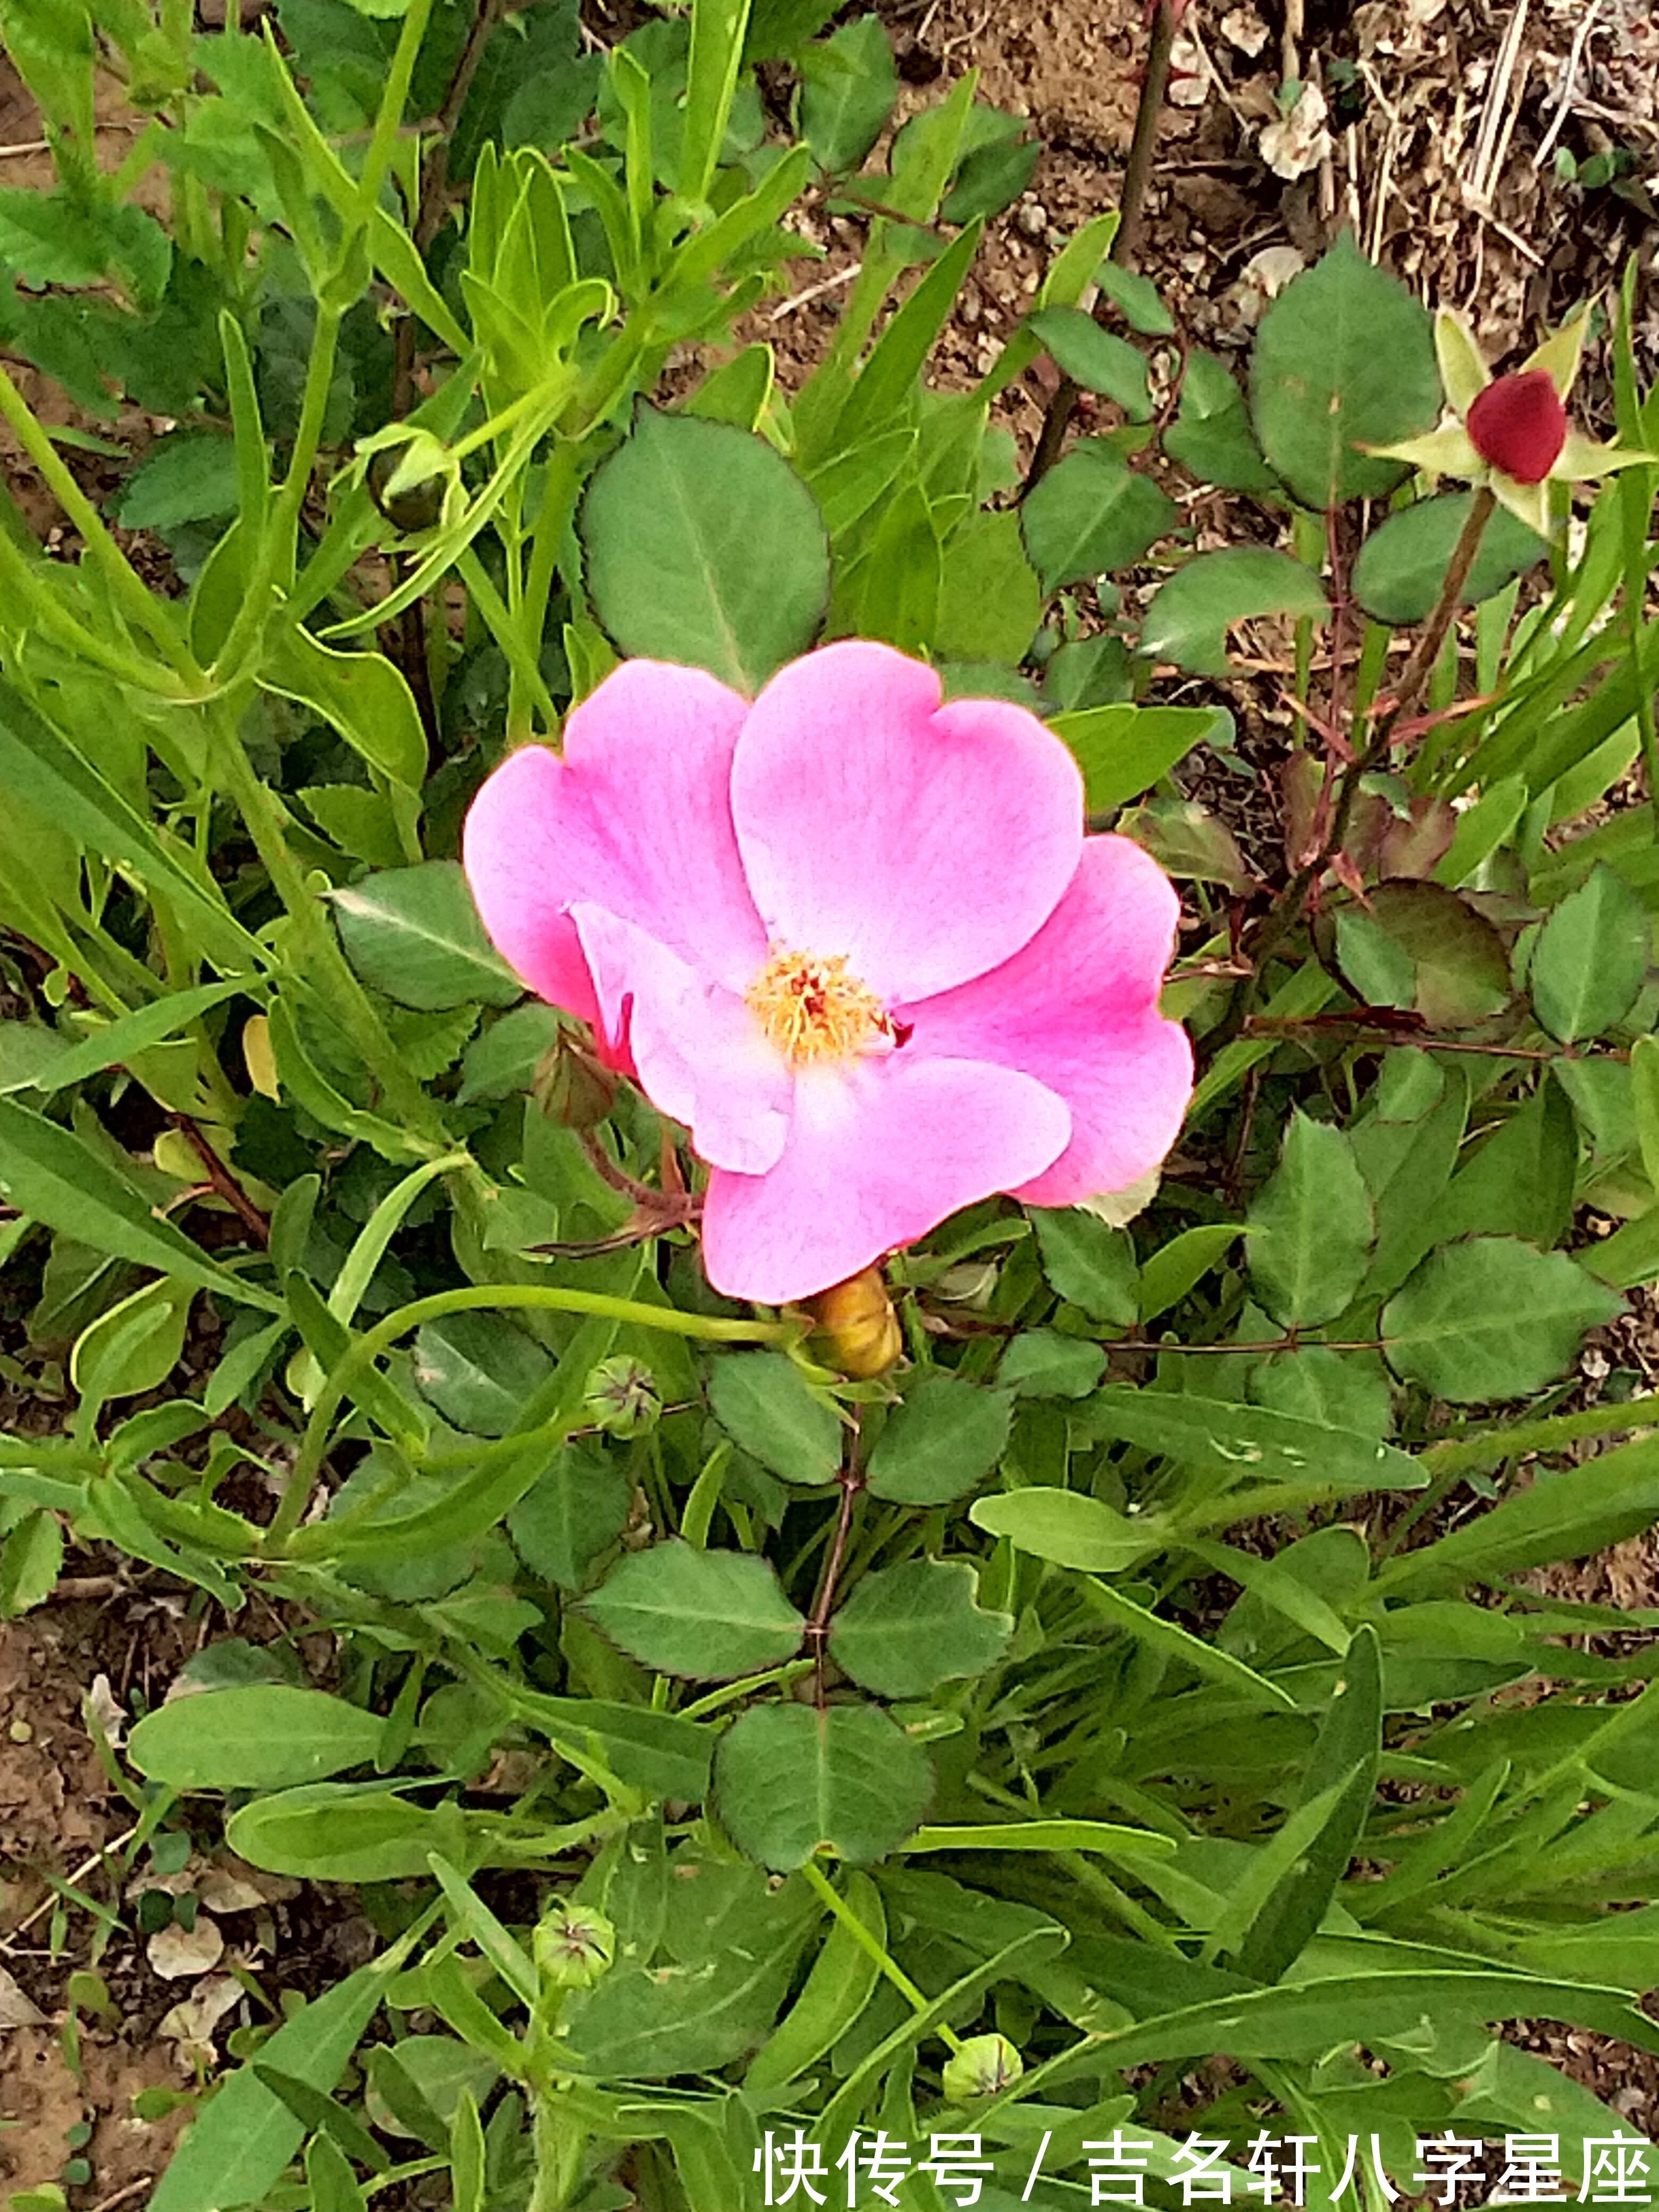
[[545, 1297], [321, 961], [389, 120], [816, 1878], [278, 549]]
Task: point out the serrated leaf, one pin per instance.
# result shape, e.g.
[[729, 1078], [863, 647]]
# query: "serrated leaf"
[[790, 1780], [1343, 357], [415, 934], [704, 546], [1211, 436], [1591, 957], [1311, 1228], [1040, 1362], [764, 1404], [1186, 620], [945, 1435], [1091, 514], [1491, 1319], [1097, 359], [478, 1370], [577, 1510], [1123, 749], [1399, 569], [189, 476], [906, 1628], [1462, 968], [1087, 1263], [707, 1616]]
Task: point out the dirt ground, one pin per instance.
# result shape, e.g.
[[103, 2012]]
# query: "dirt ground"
[[1448, 125]]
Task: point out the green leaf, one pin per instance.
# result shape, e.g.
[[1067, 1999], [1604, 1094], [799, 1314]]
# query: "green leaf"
[[1346, 1750], [764, 1404], [1311, 1228], [1136, 299], [991, 179], [1591, 957], [707, 1616], [1401, 566], [906, 1629], [1087, 1262], [1186, 620], [1091, 514], [849, 85], [264, 1737], [31, 1560], [1175, 1268], [990, 602], [1342, 1390], [326, 1831], [1224, 1438], [366, 699], [135, 1345], [1067, 1528], [1380, 970], [478, 1370], [239, 2144], [704, 546], [945, 1436], [55, 1063], [705, 1980], [1491, 1318], [1211, 436], [1168, 1636], [415, 934], [842, 1980], [577, 1510], [1040, 1362], [1344, 356], [1519, 1183], [1094, 358], [790, 1781], [54, 1176], [189, 476], [1123, 750], [1566, 1516]]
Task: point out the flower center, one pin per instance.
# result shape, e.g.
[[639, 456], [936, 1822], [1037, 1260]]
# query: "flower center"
[[812, 1009]]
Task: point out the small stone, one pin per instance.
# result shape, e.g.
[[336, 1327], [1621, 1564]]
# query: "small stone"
[[1031, 218]]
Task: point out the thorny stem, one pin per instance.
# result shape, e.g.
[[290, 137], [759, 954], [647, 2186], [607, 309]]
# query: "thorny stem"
[[817, 1626], [1132, 209], [1277, 926], [222, 1181]]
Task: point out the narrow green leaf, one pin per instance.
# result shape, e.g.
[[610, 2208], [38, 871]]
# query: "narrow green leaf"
[[267, 1736]]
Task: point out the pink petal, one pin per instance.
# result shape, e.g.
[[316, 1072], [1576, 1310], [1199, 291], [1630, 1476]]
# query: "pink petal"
[[697, 1052], [879, 1152], [924, 843], [637, 819], [1076, 1009]]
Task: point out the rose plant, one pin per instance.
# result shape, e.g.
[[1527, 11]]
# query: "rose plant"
[[569, 861]]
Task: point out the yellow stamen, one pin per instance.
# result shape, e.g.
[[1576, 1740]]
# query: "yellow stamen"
[[811, 1009]]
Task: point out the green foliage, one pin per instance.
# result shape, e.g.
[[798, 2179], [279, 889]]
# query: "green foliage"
[[1143, 1673]]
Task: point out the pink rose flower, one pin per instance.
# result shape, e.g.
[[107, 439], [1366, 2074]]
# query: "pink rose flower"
[[854, 940]]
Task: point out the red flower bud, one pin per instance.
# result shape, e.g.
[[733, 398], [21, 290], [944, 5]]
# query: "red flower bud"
[[1518, 424]]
